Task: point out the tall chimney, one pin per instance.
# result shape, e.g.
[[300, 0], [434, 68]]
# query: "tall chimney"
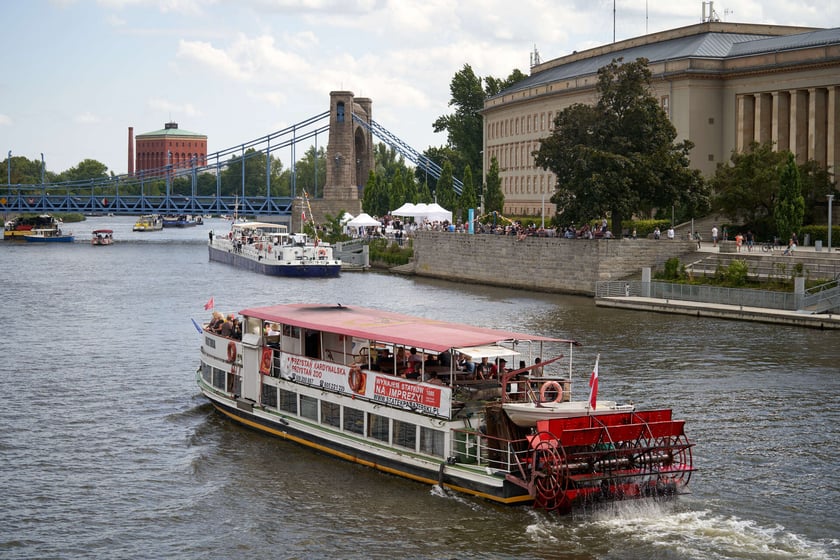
[[131, 150]]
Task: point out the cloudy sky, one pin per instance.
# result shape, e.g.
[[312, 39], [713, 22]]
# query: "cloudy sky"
[[77, 73]]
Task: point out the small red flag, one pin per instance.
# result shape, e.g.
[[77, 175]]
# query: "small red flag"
[[593, 385], [210, 304]]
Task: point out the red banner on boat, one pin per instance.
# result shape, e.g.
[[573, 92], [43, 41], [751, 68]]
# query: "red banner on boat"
[[379, 387]]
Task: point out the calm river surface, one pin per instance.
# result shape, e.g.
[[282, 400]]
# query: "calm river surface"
[[107, 449]]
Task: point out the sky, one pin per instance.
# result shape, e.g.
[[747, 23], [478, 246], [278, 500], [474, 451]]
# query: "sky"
[[77, 73]]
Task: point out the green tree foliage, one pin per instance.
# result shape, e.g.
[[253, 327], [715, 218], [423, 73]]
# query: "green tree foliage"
[[376, 199], [24, 171], [746, 188], [311, 172], [445, 191], [397, 192], [494, 199], [790, 208], [87, 169], [424, 193], [619, 156], [464, 127], [816, 183], [468, 198]]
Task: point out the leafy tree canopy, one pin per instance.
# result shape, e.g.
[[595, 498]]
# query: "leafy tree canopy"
[[790, 208], [619, 156]]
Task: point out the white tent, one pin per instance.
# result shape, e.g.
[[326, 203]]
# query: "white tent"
[[437, 213], [406, 210], [363, 220], [346, 217]]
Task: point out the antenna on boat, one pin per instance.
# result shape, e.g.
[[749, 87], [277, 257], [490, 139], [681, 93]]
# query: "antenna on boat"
[[311, 217]]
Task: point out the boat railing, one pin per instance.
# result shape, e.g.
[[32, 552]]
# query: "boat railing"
[[472, 447]]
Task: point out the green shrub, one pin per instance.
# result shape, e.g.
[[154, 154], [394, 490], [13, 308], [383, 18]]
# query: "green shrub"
[[736, 273], [389, 252]]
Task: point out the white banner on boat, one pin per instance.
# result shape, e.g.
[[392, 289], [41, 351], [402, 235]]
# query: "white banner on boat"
[[379, 387]]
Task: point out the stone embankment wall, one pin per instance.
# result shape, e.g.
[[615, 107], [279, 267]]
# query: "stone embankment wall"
[[544, 264]]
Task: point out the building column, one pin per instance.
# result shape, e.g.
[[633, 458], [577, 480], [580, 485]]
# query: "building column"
[[781, 120], [745, 121], [817, 125], [832, 143], [799, 124], [763, 117]]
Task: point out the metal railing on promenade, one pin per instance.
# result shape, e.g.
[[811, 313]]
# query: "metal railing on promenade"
[[705, 294]]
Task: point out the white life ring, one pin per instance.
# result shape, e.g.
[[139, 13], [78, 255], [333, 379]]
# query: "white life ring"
[[551, 387]]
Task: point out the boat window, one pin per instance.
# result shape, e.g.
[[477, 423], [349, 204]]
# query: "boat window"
[[378, 427], [354, 420], [331, 414], [309, 407], [269, 396], [431, 442], [287, 401], [405, 434], [219, 376]]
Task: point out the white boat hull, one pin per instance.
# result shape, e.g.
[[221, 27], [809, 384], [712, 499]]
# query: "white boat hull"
[[526, 415]]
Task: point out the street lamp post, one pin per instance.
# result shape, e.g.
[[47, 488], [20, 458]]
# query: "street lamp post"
[[42, 168], [9, 169], [830, 198]]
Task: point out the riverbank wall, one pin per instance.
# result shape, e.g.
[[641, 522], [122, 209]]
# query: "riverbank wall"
[[545, 264]]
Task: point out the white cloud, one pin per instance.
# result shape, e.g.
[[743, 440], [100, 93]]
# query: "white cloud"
[[176, 110], [87, 118]]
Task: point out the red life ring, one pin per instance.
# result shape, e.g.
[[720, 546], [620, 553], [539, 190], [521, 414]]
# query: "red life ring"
[[231, 351], [551, 387], [269, 247], [356, 379], [322, 252], [259, 246], [265, 362]]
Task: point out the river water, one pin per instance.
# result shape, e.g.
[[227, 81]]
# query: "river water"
[[108, 450]]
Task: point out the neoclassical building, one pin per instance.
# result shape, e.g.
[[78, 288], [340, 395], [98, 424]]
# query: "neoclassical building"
[[171, 145], [722, 84]]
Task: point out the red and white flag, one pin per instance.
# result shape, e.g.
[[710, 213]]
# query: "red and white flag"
[[302, 217], [210, 304], [593, 384]]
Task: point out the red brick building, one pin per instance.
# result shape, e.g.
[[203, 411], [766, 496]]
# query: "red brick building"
[[180, 148]]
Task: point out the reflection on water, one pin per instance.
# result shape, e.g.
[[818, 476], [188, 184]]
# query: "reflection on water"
[[108, 449]]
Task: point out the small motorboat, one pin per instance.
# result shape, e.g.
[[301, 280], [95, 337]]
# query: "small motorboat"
[[102, 237], [48, 236]]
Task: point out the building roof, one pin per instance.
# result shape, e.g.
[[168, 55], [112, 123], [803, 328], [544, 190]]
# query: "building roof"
[[171, 129], [714, 44]]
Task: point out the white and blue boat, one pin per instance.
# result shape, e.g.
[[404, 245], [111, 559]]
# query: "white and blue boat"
[[270, 249]]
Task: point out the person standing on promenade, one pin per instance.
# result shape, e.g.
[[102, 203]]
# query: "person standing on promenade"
[[714, 236]]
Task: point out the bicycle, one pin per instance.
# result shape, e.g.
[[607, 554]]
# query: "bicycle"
[[769, 246]]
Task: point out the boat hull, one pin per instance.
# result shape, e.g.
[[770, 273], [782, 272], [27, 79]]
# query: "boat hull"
[[302, 269], [501, 491], [56, 239]]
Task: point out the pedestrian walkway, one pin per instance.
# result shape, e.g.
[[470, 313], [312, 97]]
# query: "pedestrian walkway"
[[722, 311]]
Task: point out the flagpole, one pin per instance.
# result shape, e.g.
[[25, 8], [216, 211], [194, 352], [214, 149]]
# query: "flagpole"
[[593, 385]]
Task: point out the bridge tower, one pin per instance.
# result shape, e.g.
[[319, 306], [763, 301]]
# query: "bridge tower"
[[349, 156]]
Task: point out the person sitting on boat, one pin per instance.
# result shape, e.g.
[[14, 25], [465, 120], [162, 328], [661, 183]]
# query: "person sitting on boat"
[[434, 379], [216, 322], [411, 372], [226, 329], [482, 369], [414, 359], [497, 369]]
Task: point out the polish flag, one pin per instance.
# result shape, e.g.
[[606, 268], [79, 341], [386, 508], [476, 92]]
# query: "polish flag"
[[593, 385], [210, 304], [303, 217]]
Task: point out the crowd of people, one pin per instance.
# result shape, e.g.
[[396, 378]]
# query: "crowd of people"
[[229, 326]]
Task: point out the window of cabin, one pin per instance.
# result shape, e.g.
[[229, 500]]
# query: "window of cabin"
[[405, 434], [354, 420], [378, 427]]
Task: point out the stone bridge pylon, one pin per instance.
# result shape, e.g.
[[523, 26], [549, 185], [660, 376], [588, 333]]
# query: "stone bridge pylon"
[[349, 157]]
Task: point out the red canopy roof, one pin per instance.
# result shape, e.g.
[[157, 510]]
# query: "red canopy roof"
[[384, 326]]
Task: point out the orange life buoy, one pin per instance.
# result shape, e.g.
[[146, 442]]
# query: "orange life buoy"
[[259, 246], [269, 247], [322, 252], [356, 379], [231, 351], [265, 362], [547, 389]]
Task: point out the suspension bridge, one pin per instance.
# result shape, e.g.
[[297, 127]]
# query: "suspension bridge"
[[187, 188]]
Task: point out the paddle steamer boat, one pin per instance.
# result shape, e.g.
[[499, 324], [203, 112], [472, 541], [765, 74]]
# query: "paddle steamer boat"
[[335, 378]]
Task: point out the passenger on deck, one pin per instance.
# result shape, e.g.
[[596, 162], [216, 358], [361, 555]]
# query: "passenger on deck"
[[434, 379], [414, 358], [499, 368], [482, 369], [216, 322], [226, 329]]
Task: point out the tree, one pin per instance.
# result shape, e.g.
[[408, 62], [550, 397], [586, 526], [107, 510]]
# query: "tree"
[[469, 198], [790, 208], [494, 199], [445, 191], [465, 126], [747, 187], [619, 156], [87, 169]]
